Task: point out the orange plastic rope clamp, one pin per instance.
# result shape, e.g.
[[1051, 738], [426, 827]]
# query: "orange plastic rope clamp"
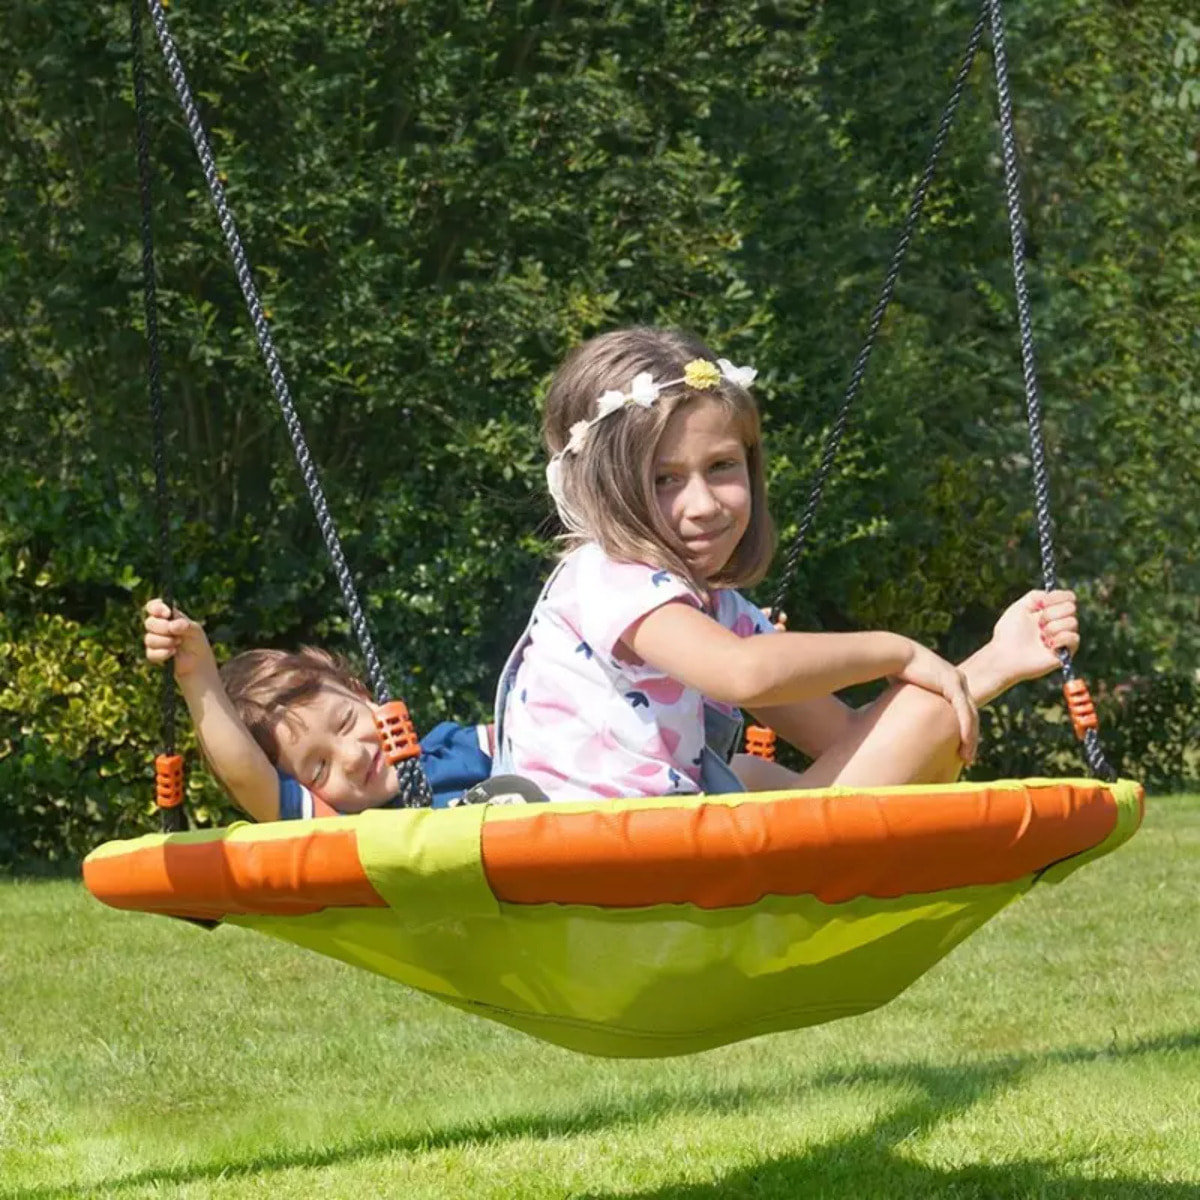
[[760, 742], [1080, 706], [397, 734], [168, 780]]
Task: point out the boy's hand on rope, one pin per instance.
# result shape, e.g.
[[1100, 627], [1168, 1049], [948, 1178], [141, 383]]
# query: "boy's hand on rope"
[[933, 673], [1030, 633], [175, 635]]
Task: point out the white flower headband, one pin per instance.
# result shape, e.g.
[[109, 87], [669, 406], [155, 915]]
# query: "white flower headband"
[[644, 390]]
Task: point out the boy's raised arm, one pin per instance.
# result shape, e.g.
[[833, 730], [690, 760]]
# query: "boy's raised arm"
[[233, 755]]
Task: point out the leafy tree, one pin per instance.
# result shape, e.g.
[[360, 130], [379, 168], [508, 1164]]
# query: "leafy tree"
[[440, 198]]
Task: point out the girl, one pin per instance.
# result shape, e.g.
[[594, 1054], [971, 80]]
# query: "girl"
[[640, 651]]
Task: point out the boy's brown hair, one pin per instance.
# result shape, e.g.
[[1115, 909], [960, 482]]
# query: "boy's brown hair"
[[264, 686], [609, 484]]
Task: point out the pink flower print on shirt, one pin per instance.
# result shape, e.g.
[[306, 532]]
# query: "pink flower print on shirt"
[[541, 767], [664, 745], [644, 771], [596, 751], [607, 791], [669, 738], [744, 626], [663, 690], [550, 703], [665, 748]]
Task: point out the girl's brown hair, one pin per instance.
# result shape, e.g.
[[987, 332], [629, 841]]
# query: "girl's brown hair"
[[609, 484], [265, 685]]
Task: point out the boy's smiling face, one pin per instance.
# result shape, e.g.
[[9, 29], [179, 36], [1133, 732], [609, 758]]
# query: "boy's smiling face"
[[329, 743]]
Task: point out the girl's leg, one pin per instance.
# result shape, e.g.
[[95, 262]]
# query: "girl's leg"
[[908, 735], [759, 775]]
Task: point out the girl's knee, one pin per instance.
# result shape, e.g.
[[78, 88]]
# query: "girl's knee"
[[921, 718]]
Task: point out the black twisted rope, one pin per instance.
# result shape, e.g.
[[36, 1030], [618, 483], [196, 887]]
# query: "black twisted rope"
[[833, 439], [174, 820], [1033, 402], [414, 787]]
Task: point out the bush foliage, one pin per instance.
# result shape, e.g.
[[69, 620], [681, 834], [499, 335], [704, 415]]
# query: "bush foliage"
[[441, 198]]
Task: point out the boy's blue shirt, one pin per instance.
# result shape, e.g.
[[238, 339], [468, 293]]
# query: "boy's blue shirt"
[[453, 756]]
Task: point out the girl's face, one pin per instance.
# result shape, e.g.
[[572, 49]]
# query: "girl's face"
[[702, 484]]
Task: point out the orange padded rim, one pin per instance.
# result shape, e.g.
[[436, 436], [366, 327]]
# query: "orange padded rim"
[[216, 878], [833, 847]]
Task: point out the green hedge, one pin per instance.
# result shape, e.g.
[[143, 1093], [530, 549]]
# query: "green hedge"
[[441, 198]]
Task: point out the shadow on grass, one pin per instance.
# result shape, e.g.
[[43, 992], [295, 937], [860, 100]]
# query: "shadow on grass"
[[835, 1172], [871, 1163], [857, 1165]]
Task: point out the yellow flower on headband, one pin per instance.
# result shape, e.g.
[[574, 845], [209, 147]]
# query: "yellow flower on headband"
[[701, 374]]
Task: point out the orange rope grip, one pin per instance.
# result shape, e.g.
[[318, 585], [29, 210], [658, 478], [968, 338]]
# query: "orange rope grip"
[[1080, 707], [760, 742], [168, 780], [397, 734]]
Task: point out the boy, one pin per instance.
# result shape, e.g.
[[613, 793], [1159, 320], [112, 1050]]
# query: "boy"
[[291, 734]]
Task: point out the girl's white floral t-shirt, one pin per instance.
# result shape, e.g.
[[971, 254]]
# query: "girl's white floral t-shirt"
[[584, 718]]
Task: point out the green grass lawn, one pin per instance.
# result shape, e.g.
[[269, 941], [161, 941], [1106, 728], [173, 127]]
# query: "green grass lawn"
[[1056, 1054]]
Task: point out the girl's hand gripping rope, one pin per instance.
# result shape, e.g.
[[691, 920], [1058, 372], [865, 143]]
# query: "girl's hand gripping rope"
[[1031, 631]]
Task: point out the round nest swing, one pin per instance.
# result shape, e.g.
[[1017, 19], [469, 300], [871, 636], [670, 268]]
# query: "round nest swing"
[[633, 927]]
